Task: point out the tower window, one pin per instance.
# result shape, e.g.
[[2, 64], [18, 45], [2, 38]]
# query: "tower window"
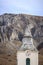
[[28, 61]]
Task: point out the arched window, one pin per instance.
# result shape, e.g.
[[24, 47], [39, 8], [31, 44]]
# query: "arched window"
[[28, 61]]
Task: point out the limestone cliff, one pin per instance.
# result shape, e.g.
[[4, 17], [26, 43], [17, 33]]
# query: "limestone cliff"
[[12, 30], [13, 27]]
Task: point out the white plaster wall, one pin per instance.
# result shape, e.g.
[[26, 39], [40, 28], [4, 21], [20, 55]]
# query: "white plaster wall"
[[21, 58], [34, 58]]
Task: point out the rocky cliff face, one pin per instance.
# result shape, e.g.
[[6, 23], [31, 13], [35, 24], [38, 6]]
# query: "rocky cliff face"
[[13, 27]]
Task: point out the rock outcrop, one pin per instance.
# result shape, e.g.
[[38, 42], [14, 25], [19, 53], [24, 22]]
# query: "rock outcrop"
[[13, 27]]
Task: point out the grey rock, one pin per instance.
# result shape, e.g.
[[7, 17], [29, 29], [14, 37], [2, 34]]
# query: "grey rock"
[[12, 24]]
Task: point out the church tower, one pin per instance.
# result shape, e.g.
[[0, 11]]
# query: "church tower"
[[28, 54]]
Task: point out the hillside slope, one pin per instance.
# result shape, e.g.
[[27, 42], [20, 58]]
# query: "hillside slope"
[[11, 25]]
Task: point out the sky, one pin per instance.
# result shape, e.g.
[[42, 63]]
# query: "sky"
[[31, 7]]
